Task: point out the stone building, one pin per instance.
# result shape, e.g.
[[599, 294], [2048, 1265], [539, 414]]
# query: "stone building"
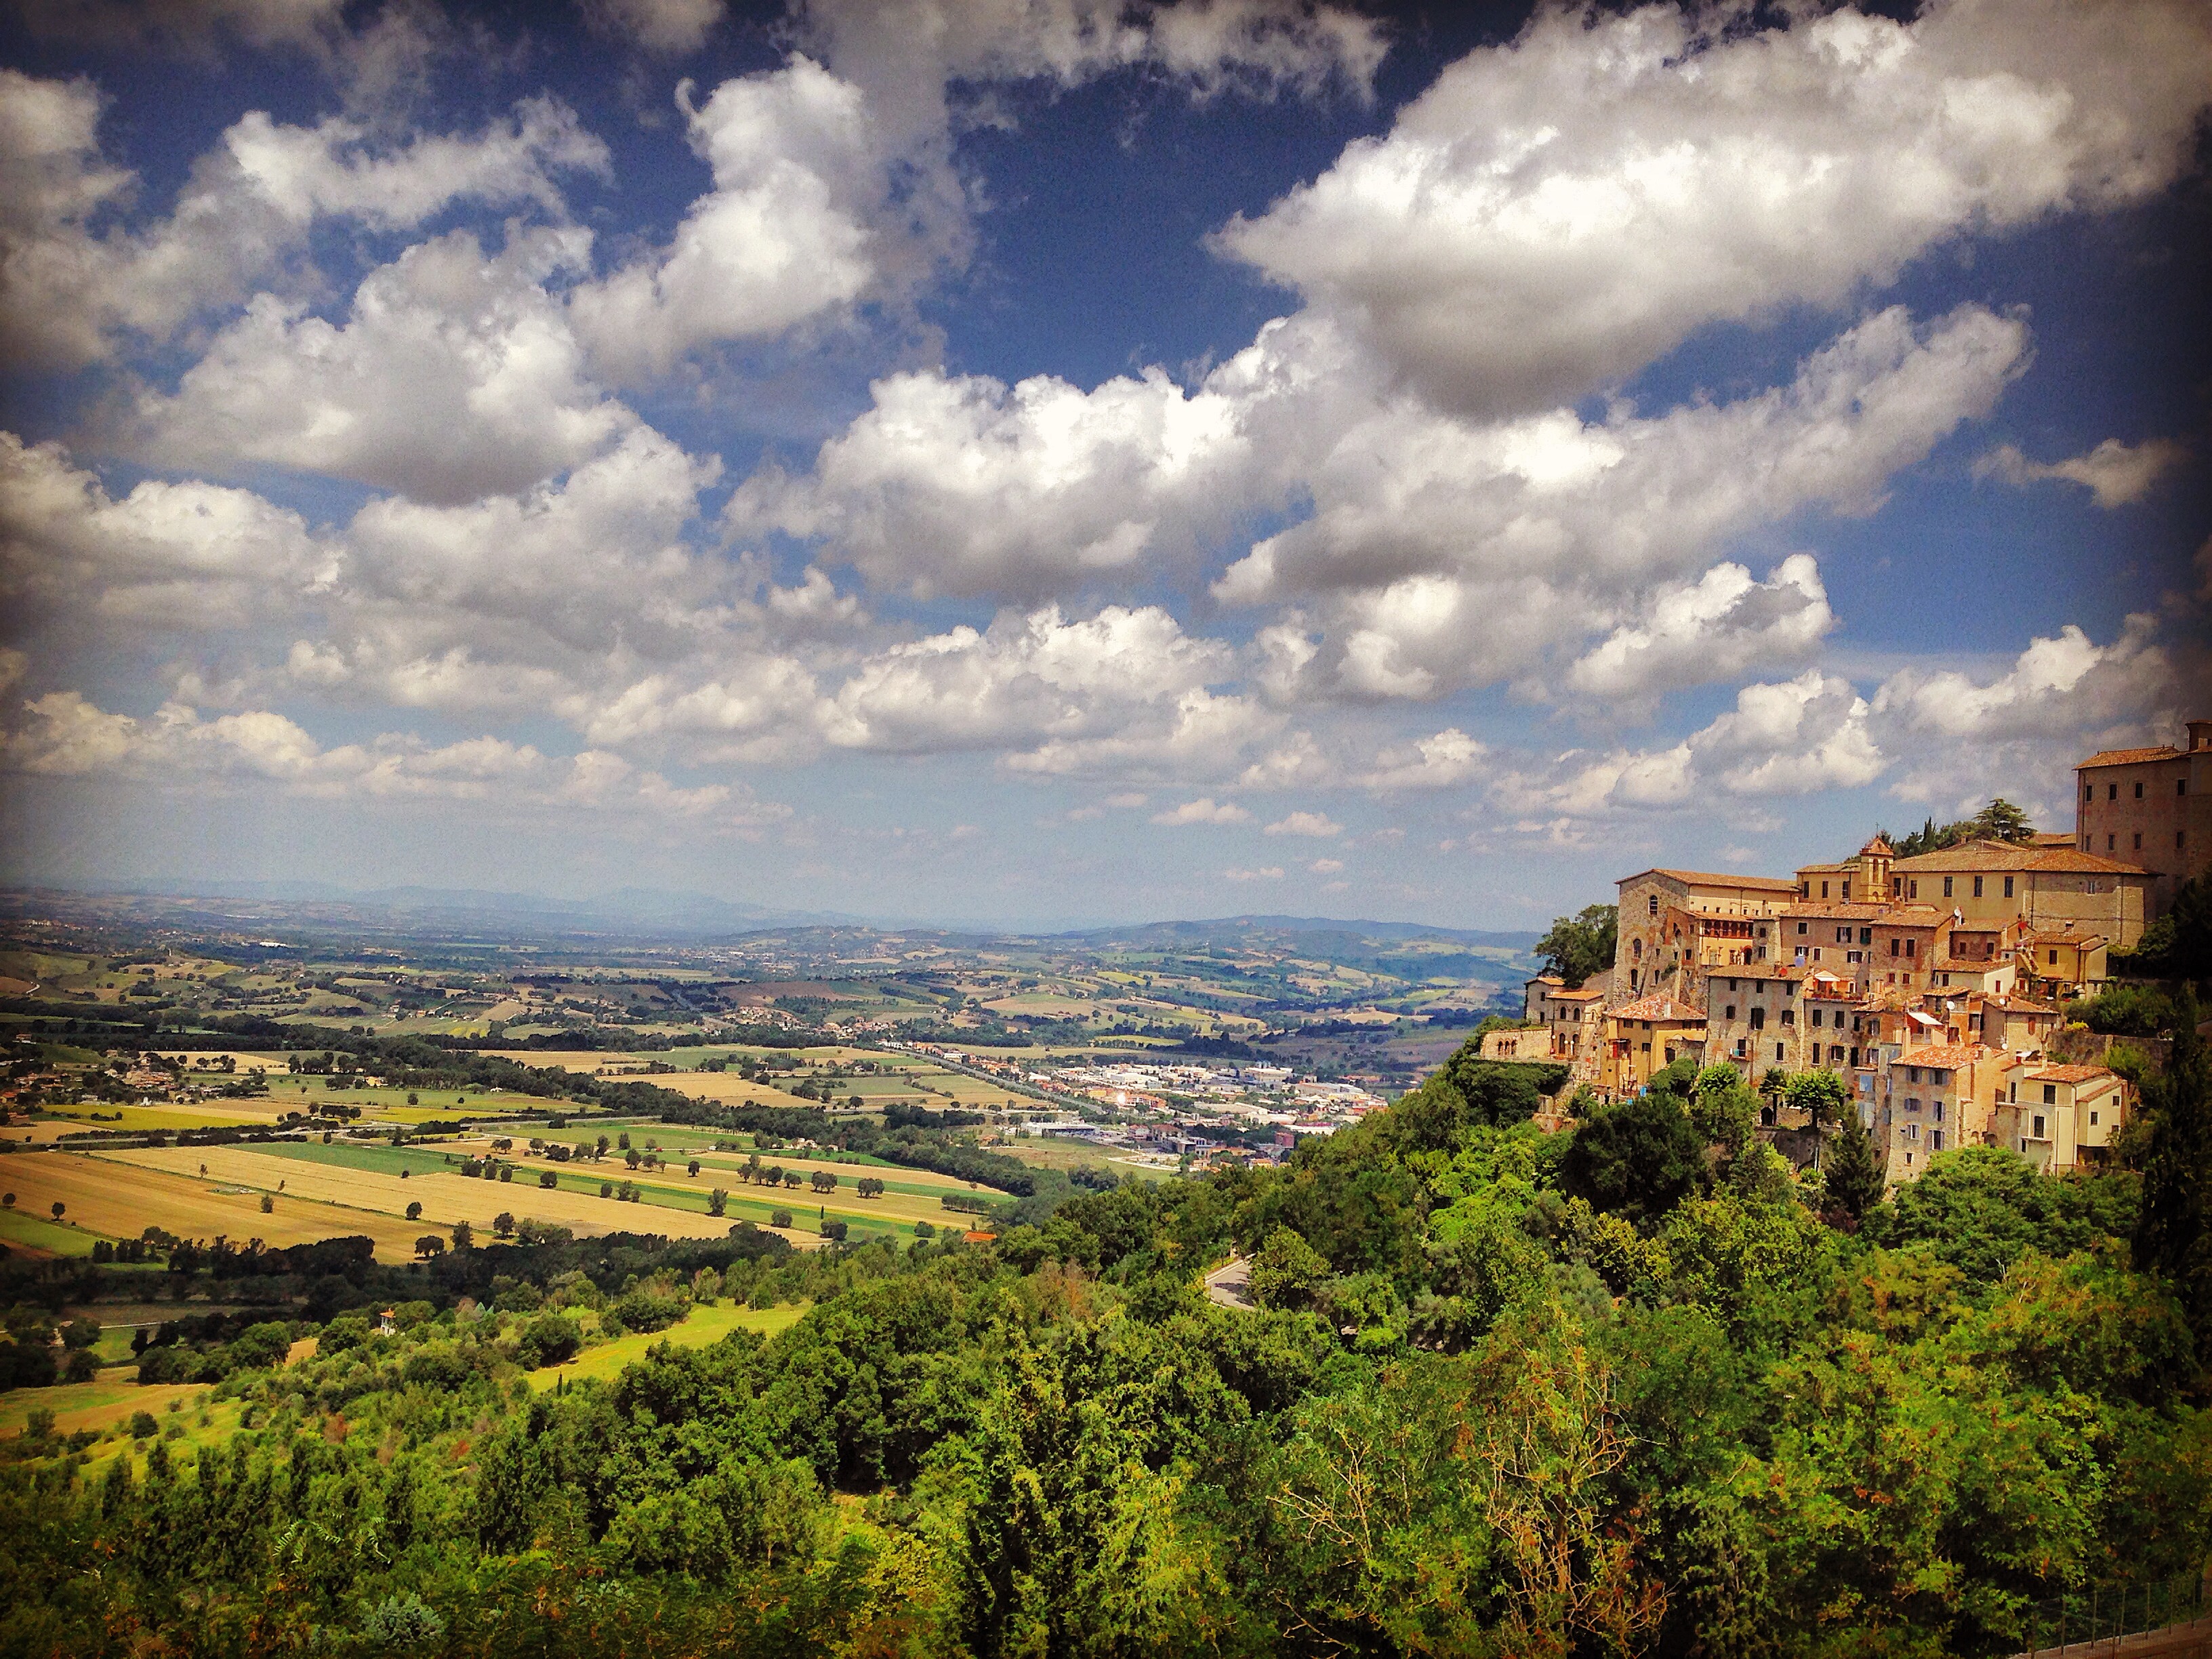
[[2150, 807], [1676, 925]]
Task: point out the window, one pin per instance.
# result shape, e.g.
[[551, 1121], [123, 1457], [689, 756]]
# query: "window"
[[1910, 944], [2038, 1126], [2112, 791], [1935, 1140], [1913, 1075], [2177, 840], [2138, 841], [1847, 887], [1915, 890], [1946, 887], [2092, 1119], [2054, 958], [2089, 792], [1759, 1019], [1789, 1016], [1739, 1049], [2049, 1098], [1824, 890], [2181, 786], [1801, 926], [2112, 843], [1977, 887], [1778, 1055], [2008, 886], [1843, 936], [1937, 1107], [1866, 935], [2138, 790], [1728, 1012], [1816, 1016]]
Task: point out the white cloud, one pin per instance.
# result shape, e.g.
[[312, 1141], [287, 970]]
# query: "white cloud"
[[2114, 473], [961, 485], [455, 376], [1437, 762], [1204, 810], [69, 293], [673, 27], [1795, 737], [1442, 553], [1318, 825], [1553, 214], [1718, 627], [65, 734], [2059, 685], [1127, 800], [1268, 873], [786, 234], [1326, 866], [1034, 679], [168, 555]]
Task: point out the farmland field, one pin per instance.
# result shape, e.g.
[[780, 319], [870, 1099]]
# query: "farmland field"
[[20, 1229], [705, 1326], [379, 1199], [109, 1198]]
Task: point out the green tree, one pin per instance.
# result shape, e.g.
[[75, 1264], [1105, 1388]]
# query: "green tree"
[[2173, 1231], [1638, 1159], [1854, 1171], [463, 1236], [1822, 1095], [414, 1212], [1581, 944], [1287, 1271], [718, 1201], [2001, 821], [429, 1245], [502, 1225]]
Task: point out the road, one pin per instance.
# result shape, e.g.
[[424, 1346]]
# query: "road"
[[1231, 1284]]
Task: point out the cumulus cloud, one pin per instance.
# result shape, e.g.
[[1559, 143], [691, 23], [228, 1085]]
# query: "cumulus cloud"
[[75, 281], [1788, 739], [1443, 552], [1326, 866], [1717, 627], [1204, 810], [2060, 685], [1268, 872], [1554, 214], [787, 234], [2114, 473], [961, 484], [65, 734], [1040, 679], [1437, 762], [1318, 825], [455, 376], [670, 27], [187, 555]]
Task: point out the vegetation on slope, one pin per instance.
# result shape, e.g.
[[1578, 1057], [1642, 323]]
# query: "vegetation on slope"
[[1636, 1388]]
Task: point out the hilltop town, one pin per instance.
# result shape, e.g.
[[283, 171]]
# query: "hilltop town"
[[1932, 982]]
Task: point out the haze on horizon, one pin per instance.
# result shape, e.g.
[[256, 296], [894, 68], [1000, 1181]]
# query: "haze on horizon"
[[1054, 461]]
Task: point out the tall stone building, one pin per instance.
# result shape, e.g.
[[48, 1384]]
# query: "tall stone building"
[[2151, 807]]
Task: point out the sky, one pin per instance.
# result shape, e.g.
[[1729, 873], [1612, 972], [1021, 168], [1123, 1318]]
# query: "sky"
[[1040, 462]]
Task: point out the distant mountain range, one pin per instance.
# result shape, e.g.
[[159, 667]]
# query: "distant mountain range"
[[641, 913]]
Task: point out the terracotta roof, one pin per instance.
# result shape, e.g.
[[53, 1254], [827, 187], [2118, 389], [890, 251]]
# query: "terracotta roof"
[[1708, 878], [2052, 838], [1987, 855], [1660, 1006], [2072, 1074], [2022, 1004], [1879, 847], [1944, 1057], [2130, 757], [1546, 979], [1582, 995], [1826, 869], [2085, 940], [1977, 965]]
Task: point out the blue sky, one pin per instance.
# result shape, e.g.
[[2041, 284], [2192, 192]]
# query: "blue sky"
[[1047, 461]]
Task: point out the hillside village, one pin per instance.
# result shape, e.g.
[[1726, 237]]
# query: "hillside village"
[[1933, 984]]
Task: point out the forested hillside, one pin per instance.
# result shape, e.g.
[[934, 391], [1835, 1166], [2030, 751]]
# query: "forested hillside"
[[1638, 1389]]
